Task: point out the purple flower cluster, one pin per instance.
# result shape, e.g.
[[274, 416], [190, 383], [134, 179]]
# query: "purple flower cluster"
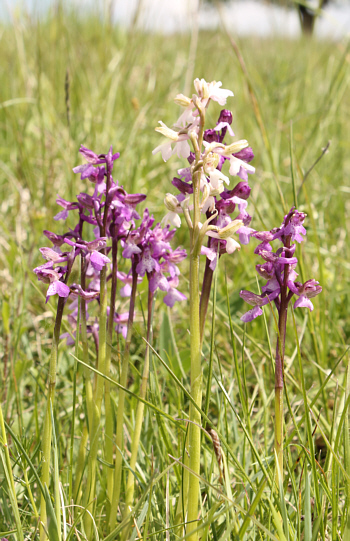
[[112, 213], [279, 269]]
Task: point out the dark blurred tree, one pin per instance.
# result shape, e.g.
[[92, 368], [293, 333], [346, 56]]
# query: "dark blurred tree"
[[307, 13]]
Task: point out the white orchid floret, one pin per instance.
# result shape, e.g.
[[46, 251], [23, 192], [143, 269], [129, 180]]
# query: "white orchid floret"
[[216, 179], [212, 91], [233, 148], [182, 100], [211, 161], [171, 203], [168, 132], [174, 206], [208, 205], [202, 88], [180, 138], [236, 164], [171, 218], [218, 94], [227, 231]]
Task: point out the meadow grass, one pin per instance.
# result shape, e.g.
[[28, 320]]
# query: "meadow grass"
[[70, 80]]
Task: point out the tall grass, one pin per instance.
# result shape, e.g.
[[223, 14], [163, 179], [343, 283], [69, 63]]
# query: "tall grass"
[[290, 100]]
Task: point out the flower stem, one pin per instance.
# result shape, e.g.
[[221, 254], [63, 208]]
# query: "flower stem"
[[196, 392], [108, 404], [47, 433], [88, 387], [279, 377], [205, 296], [97, 405], [196, 369], [120, 412]]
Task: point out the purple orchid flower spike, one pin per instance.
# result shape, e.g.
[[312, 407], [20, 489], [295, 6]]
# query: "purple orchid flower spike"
[[279, 271], [279, 267]]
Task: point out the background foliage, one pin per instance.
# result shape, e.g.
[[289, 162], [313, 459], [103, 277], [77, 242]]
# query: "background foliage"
[[70, 80]]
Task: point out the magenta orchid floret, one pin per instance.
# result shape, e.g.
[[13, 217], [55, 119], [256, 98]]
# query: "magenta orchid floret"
[[279, 269]]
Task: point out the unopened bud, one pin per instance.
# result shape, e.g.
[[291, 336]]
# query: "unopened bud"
[[211, 161], [182, 100], [171, 203], [234, 147], [201, 87], [167, 132], [230, 229]]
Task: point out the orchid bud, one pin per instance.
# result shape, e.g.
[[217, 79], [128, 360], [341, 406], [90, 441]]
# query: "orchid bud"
[[171, 203], [230, 229], [182, 100]]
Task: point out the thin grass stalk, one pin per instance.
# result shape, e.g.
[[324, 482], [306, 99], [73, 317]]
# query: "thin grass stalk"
[[47, 432], [309, 433], [108, 404], [130, 486], [120, 412], [80, 465], [11, 487], [346, 534]]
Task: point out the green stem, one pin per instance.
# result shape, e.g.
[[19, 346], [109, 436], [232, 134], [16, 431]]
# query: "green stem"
[[196, 369], [138, 421], [205, 295], [108, 404], [47, 433], [279, 372], [97, 406], [120, 413], [88, 389]]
